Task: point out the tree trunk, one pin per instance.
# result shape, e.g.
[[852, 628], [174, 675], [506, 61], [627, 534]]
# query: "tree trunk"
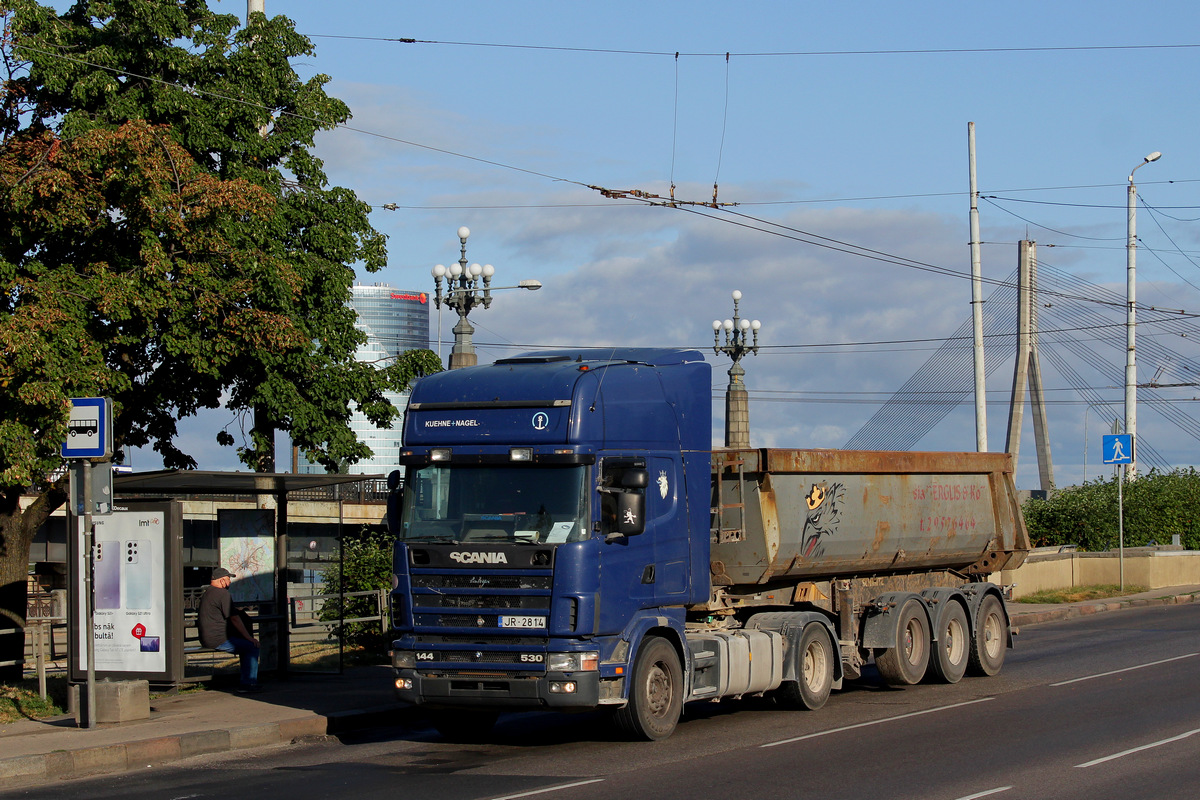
[[17, 529]]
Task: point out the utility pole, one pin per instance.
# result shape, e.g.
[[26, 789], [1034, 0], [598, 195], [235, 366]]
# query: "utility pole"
[[1028, 369], [1131, 314], [981, 443]]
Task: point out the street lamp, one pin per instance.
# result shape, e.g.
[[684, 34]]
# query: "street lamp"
[[467, 286], [737, 400], [1131, 314]]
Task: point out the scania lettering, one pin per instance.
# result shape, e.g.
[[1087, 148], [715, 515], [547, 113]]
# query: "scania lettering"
[[479, 558], [580, 545]]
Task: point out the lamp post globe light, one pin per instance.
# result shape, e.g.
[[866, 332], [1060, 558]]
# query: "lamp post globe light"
[[467, 286], [1131, 313], [737, 400]]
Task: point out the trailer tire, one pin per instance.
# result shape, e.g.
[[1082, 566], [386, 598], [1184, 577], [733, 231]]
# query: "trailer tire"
[[655, 694], [988, 642], [814, 671], [905, 664], [952, 649], [464, 727]]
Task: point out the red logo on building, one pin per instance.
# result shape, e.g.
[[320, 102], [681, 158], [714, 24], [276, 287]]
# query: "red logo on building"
[[421, 298]]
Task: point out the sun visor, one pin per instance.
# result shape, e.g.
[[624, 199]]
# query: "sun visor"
[[488, 425]]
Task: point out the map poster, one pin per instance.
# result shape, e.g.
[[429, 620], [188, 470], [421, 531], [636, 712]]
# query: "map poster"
[[247, 549]]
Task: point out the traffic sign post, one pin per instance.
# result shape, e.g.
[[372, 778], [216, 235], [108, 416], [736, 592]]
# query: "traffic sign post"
[[89, 436], [1118, 449]]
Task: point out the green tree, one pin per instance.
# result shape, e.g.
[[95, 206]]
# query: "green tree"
[[366, 566], [170, 241]]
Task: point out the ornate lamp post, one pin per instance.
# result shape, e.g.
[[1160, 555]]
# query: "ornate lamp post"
[[737, 401], [466, 288]]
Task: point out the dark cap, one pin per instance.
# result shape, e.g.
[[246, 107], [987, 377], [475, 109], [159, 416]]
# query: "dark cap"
[[221, 572]]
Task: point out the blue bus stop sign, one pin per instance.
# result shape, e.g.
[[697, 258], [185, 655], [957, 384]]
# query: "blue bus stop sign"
[[90, 432], [1118, 448]]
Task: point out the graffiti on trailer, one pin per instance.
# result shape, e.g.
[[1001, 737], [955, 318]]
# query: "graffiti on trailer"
[[824, 503]]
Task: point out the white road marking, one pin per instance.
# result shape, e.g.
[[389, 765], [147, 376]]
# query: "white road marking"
[[876, 722], [558, 788], [977, 795], [1124, 753], [1127, 669]]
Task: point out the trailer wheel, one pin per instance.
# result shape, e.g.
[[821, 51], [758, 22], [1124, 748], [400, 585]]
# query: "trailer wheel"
[[988, 643], [905, 664], [952, 649], [656, 693], [814, 671], [464, 727]]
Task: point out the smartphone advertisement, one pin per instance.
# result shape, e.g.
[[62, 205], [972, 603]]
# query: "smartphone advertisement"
[[131, 561]]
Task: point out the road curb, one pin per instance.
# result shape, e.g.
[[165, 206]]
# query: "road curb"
[[22, 771]]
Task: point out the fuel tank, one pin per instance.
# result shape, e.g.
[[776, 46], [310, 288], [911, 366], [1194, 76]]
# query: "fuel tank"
[[818, 514]]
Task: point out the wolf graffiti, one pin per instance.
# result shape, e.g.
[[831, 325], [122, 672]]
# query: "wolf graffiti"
[[824, 502]]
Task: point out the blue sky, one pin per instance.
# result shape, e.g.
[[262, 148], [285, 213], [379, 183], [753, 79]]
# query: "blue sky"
[[502, 114]]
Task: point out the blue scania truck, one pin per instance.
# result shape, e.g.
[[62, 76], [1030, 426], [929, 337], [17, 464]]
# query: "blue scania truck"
[[567, 538]]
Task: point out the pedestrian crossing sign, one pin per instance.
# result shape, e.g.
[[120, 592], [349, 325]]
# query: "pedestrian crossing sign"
[[1118, 448]]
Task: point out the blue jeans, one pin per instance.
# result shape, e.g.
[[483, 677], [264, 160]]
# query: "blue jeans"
[[248, 653]]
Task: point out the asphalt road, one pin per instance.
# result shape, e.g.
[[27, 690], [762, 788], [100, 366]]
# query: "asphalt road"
[[1106, 706]]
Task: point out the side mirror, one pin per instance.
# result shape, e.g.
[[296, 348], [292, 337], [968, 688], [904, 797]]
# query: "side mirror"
[[631, 512], [395, 501], [635, 479]]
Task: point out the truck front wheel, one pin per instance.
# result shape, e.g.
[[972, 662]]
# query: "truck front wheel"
[[656, 693], [814, 671]]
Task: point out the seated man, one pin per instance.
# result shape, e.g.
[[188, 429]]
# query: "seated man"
[[221, 627]]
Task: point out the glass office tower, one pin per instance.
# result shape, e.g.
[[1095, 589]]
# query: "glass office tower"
[[394, 321]]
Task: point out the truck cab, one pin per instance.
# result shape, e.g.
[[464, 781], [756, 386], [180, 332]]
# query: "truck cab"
[[554, 515]]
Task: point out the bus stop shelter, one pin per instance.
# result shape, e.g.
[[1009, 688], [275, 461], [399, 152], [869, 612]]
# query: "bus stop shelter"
[[180, 483]]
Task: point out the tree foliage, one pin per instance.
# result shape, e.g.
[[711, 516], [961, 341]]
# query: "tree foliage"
[[1158, 506], [366, 566], [168, 239]]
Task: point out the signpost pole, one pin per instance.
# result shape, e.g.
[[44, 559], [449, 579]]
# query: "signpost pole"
[[1121, 525], [89, 536], [1118, 449]]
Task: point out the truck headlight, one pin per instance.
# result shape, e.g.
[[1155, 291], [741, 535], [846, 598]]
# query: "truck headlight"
[[404, 659], [573, 662]]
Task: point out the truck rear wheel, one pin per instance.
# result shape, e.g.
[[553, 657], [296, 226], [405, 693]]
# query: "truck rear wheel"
[[952, 649], [905, 664], [656, 693], [814, 671], [989, 641]]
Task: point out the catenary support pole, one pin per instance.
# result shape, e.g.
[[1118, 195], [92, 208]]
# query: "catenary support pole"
[[981, 443]]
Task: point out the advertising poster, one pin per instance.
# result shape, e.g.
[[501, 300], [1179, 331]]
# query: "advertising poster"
[[130, 619], [248, 551]]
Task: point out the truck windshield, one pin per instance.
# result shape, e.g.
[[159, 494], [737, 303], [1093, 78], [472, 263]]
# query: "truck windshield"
[[517, 503]]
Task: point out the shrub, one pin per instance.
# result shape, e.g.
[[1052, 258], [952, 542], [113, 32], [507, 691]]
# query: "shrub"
[[366, 566], [1157, 506]]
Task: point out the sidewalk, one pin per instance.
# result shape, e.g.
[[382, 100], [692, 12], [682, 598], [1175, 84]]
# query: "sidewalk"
[[214, 721], [211, 721]]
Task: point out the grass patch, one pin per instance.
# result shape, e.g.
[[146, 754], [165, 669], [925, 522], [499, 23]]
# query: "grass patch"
[[21, 700], [1079, 593]]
